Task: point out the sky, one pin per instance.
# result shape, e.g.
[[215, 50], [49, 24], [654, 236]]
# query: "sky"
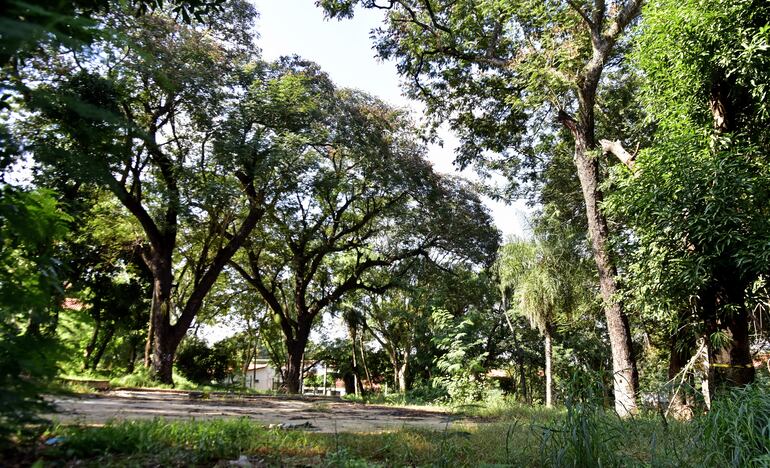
[[343, 49]]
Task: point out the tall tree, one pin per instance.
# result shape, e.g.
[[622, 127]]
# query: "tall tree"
[[697, 198], [540, 280], [394, 320], [363, 201], [139, 117], [496, 71]]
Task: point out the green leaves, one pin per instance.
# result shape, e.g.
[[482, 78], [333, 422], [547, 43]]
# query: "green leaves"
[[688, 48], [542, 279], [32, 225], [461, 356], [697, 200]]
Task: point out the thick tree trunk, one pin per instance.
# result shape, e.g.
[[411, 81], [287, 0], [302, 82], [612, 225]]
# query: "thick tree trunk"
[[625, 376], [295, 348], [730, 362], [294, 367], [548, 371], [401, 376], [163, 342], [164, 348], [733, 364]]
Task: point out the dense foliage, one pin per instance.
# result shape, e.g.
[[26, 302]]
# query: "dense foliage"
[[162, 183]]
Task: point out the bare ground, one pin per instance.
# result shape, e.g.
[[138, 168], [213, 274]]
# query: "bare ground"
[[312, 413]]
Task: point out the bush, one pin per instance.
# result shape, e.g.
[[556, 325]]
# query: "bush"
[[201, 364], [32, 227]]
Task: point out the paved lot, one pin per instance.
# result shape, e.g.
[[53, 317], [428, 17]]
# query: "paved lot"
[[322, 414]]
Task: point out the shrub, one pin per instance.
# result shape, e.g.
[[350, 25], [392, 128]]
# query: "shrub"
[[200, 363]]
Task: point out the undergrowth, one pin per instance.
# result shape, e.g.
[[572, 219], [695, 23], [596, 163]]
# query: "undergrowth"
[[735, 433]]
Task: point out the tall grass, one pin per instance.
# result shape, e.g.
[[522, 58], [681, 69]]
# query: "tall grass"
[[178, 443], [582, 434], [736, 432], [585, 436]]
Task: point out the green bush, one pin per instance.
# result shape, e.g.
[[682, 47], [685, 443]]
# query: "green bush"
[[200, 363], [141, 378]]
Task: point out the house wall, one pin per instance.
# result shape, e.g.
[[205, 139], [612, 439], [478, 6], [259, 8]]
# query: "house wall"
[[260, 379]]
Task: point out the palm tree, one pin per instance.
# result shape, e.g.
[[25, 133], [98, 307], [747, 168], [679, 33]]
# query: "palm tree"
[[537, 281]]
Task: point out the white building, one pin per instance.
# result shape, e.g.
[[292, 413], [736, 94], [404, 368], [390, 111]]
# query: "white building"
[[261, 375]]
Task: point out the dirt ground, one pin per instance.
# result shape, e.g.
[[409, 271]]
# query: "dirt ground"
[[313, 413]]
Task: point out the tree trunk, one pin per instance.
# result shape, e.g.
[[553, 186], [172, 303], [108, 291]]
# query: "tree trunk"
[[92, 342], [522, 368], [295, 348], [730, 362], [150, 333], [103, 347], [353, 332], [401, 376], [737, 353], [625, 376], [548, 375], [164, 342], [164, 348], [401, 372], [131, 355], [293, 367], [363, 362]]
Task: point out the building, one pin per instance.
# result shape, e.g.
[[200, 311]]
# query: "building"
[[262, 376]]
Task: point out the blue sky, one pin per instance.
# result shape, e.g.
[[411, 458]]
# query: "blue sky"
[[344, 51]]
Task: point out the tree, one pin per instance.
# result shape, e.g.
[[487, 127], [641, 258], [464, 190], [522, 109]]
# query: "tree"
[[33, 21], [139, 118], [363, 205], [697, 197], [495, 71], [530, 290], [538, 280], [395, 319]]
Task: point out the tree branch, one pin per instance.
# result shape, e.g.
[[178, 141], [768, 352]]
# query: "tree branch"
[[616, 148], [582, 13]]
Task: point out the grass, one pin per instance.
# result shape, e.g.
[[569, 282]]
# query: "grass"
[[182, 443], [735, 433]]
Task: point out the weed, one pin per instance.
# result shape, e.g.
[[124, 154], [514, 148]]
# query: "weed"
[[736, 432]]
